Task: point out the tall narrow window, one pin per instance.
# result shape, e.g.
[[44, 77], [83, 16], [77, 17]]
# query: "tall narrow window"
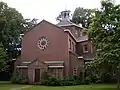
[[72, 46], [76, 32], [85, 48], [81, 33], [69, 44]]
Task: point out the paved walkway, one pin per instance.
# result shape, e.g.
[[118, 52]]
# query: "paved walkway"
[[19, 88]]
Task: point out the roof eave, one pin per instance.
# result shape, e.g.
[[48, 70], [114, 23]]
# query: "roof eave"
[[70, 25], [67, 30]]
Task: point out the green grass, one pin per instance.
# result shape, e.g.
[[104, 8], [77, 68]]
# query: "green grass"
[[7, 85], [80, 87]]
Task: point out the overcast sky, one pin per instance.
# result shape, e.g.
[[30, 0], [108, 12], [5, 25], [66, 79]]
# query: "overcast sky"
[[49, 9]]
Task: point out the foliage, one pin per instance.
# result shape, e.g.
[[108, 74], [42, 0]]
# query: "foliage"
[[82, 16], [3, 59], [30, 23], [105, 33], [49, 80], [97, 74], [12, 24], [57, 81], [19, 79]]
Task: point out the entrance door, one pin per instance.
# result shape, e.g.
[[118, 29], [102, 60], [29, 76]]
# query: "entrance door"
[[37, 75]]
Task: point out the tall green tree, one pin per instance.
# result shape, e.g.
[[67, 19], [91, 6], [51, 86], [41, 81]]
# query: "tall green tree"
[[30, 23], [11, 25], [3, 58], [105, 35], [82, 16]]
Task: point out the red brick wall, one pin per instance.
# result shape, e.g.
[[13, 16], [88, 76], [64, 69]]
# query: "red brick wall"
[[80, 48], [31, 70], [73, 30], [73, 57], [75, 63], [57, 48]]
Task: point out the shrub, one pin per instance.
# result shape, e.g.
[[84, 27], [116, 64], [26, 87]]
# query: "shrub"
[[53, 81], [65, 81], [50, 81], [87, 80], [97, 75], [45, 75], [19, 79]]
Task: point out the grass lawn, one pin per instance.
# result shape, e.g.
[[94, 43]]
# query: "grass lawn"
[[80, 87], [7, 85]]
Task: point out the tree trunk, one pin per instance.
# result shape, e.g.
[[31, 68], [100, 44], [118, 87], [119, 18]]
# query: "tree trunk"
[[118, 80], [118, 84]]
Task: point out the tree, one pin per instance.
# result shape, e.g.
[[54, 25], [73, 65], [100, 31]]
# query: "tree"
[[105, 35], [30, 23], [3, 59], [11, 25], [82, 16]]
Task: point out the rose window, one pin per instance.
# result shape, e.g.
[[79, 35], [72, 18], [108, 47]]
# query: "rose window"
[[42, 42]]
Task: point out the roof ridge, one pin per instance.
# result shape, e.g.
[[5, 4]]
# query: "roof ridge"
[[40, 23]]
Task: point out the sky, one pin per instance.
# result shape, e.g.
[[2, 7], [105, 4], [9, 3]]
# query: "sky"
[[50, 9]]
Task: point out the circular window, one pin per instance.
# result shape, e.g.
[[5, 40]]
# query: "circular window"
[[42, 42]]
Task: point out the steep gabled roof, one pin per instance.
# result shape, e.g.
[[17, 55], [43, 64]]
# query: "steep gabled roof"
[[40, 23], [80, 39], [67, 22]]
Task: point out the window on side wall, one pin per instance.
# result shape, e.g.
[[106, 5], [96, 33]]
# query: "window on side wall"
[[69, 44], [75, 48], [72, 46], [76, 32], [81, 34], [85, 48], [75, 71]]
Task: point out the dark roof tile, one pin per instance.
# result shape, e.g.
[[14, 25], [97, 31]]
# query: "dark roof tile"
[[82, 38]]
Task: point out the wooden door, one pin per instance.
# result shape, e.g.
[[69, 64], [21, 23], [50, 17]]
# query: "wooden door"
[[37, 75]]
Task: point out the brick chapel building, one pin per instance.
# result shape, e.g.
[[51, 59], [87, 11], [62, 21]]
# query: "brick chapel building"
[[61, 50]]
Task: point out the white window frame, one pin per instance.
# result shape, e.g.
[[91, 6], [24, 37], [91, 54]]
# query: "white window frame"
[[75, 71]]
